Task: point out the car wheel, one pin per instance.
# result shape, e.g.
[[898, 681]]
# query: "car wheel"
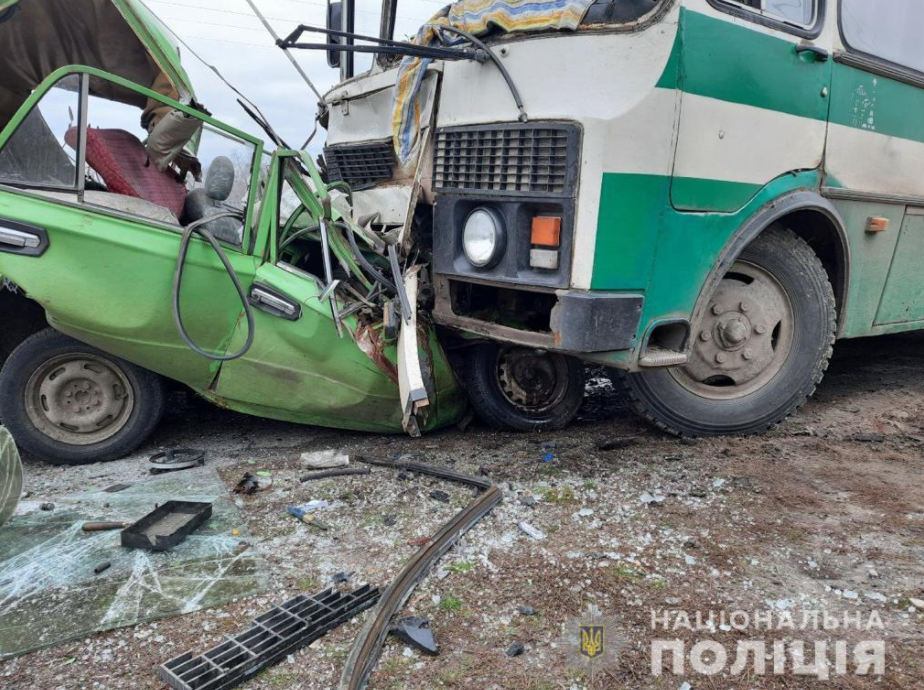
[[759, 352], [69, 403], [522, 388]]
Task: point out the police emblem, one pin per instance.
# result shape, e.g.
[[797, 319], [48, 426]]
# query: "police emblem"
[[593, 640]]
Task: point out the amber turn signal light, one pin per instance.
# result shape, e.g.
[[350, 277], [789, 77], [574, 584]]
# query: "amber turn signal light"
[[874, 224], [546, 231]]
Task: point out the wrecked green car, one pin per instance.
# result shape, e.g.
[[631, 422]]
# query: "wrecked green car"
[[181, 251]]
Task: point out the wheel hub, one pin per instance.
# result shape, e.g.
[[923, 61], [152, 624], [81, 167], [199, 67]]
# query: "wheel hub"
[[743, 339], [79, 399], [529, 378]]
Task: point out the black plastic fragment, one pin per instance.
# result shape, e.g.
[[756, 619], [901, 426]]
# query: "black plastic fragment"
[[271, 637], [440, 496], [247, 485], [416, 632], [116, 488], [527, 611], [341, 577], [166, 526], [177, 459], [515, 649], [101, 567]]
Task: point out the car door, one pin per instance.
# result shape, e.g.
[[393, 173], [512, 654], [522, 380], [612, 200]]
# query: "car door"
[[875, 160], [755, 76], [299, 368], [107, 262]]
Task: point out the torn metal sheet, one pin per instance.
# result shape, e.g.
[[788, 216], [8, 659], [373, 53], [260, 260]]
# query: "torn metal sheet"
[[47, 564], [10, 476], [413, 390]]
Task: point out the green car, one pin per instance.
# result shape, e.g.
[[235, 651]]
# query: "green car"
[[181, 252]]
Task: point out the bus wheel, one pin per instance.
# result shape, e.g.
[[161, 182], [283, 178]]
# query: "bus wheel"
[[522, 388], [69, 404], [759, 352]]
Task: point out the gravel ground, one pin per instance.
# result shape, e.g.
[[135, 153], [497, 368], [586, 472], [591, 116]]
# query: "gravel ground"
[[825, 513]]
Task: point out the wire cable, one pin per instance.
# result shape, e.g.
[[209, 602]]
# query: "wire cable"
[[198, 227]]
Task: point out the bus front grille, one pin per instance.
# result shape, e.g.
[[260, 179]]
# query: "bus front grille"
[[508, 159], [360, 165]]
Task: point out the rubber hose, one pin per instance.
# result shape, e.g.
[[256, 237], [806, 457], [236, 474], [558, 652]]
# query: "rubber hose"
[[198, 227]]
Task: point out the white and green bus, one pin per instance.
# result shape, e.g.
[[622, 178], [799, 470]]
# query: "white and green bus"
[[702, 194]]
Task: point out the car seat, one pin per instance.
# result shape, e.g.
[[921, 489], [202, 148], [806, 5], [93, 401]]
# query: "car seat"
[[121, 161], [210, 199]]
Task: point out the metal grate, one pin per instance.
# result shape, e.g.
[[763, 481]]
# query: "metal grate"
[[270, 637], [531, 159], [360, 165]]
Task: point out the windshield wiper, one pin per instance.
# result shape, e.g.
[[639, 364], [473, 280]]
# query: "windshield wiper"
[[383, 46]]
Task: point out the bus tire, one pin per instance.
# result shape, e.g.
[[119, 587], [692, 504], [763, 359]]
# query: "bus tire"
[[68, 403], [758, 354], [522, 388]]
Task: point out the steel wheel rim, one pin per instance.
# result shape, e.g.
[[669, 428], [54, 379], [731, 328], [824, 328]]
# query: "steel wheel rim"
[[531, 380], [79, 399], [743, 340]]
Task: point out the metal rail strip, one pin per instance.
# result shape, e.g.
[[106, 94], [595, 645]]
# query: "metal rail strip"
[[368, 646]]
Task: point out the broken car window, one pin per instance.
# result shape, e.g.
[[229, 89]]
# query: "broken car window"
[[37, 155]]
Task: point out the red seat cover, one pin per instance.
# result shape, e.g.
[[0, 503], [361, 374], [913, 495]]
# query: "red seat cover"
[[120, 159]]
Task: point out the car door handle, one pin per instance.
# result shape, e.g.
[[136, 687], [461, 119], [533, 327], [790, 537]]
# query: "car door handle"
[[821, 55], [274, 302], [19, 238]]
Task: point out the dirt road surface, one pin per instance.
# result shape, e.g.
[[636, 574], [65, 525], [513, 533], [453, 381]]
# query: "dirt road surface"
[[824, 514]]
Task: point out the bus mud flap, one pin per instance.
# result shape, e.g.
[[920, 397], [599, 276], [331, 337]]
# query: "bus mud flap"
[[368, 645]]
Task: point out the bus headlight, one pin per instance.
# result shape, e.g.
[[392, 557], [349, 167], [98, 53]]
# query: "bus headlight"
[[483, 237]]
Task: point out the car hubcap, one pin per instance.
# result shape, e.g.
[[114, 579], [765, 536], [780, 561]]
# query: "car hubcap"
[[743, 340], [79, 399], [532, 379]]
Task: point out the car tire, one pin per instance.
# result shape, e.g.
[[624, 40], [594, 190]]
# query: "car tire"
[[759, 352], [68, 403], [523, 389]]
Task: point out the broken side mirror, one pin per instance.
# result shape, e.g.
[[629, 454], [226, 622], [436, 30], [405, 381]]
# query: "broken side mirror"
[[334, 19]]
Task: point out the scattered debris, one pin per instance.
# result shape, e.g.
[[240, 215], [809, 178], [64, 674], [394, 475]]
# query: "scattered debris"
[[548, 457], [531, 531], [166, 526], [177, 459], [718, 483], [271, 637], [527, 611], [324, 459], [367, 647], [869, 438], [615, 444], [115, 488], [528, 500], [440, 496], [416, 632], [341, 577], [248, 485], [335, 473], [103, 526], [389, 520], [651, 499], [516, 649], [917, 603], [47, 506], [102, 567], [306, 516], [585, 512]]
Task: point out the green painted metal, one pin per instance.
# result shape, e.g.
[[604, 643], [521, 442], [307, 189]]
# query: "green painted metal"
[[733, 62], [902, 299]]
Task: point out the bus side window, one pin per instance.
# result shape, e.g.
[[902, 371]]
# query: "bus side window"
[[800, 12]]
